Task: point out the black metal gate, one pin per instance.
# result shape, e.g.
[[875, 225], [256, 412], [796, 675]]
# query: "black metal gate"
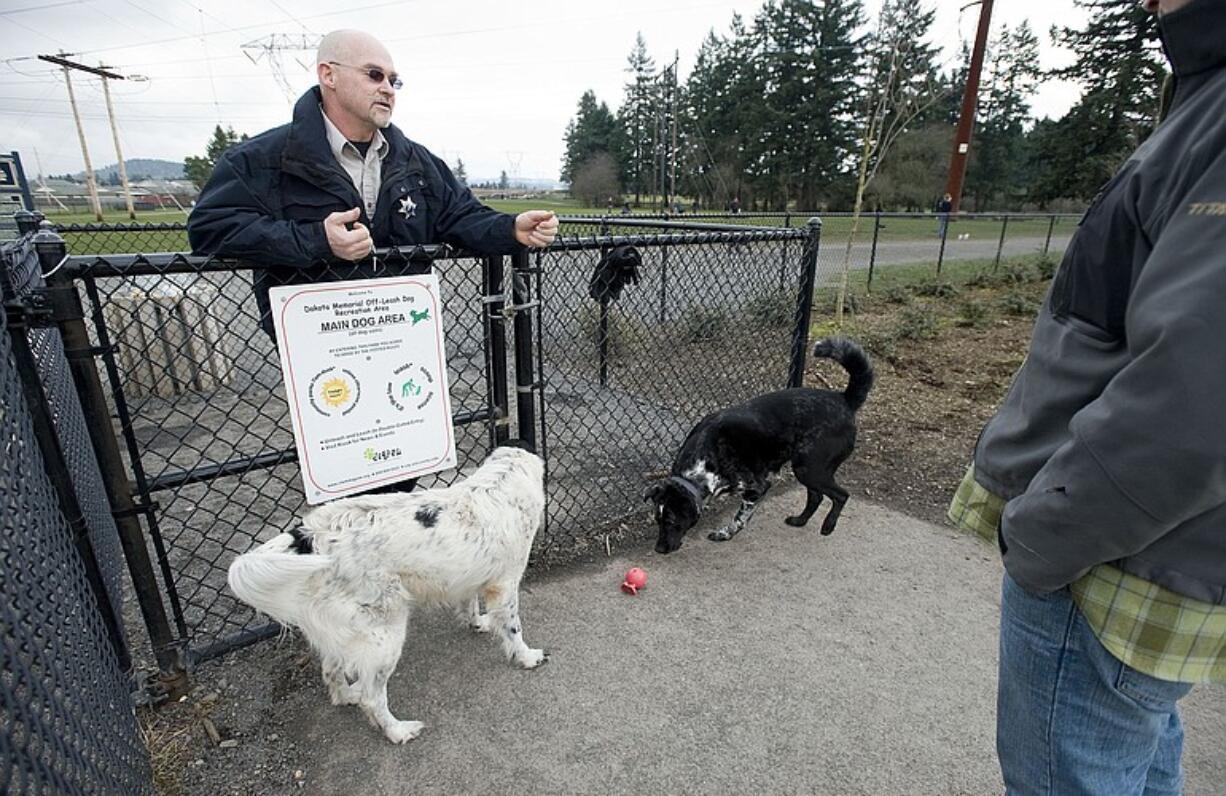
[[207, 457]]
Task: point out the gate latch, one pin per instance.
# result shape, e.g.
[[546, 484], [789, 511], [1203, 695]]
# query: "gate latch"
[[41, 307]]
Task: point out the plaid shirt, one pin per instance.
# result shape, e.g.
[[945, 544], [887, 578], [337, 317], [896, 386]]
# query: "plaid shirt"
[[1152, 629]]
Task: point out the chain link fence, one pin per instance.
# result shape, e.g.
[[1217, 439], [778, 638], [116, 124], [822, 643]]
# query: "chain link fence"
[[716, 317], [67, 724], [202, 434], [205, 446]]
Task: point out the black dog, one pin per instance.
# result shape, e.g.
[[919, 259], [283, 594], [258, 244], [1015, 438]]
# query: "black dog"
[[742, 446]]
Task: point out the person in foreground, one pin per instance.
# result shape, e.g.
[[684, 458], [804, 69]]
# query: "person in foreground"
[[1103, 473], [341, 179]]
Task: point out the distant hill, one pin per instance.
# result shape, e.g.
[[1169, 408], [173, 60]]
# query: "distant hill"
[[140, 169]]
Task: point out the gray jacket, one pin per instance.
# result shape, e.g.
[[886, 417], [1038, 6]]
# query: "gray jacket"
[[1111, 444]]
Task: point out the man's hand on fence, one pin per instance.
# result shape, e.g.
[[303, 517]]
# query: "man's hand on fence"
[[346, 243], [536, 228]]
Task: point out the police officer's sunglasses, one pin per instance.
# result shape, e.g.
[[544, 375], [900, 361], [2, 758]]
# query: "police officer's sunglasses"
[[376, 74]]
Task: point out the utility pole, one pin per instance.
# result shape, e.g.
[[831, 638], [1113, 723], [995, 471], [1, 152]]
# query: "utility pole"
[[68, 66], [123, 169], [970, 98]]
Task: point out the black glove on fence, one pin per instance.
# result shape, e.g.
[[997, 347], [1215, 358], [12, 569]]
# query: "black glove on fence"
[[619, 266]]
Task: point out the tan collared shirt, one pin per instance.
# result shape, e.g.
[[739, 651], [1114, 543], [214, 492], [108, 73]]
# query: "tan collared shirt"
[[365, 172]]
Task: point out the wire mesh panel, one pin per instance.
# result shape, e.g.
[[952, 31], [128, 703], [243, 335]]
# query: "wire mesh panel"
[[119, 238], [197, 385], [709, 323], [66, 722], [22, 275]]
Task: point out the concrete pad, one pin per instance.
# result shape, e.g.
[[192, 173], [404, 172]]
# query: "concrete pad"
[[780, 662]]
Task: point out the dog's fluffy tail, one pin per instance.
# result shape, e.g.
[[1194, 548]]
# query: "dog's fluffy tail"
[[273, 578], [855, 361]]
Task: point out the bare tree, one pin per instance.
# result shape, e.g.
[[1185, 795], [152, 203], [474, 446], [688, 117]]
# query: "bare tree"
[[595, 180], [892, 103]]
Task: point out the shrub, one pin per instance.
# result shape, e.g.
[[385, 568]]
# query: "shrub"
[[826, 301], [620, 329], [1018, 273], [936, 288], [773, 310], [973, 312], [897, 294], [917, 323], [1015, 302], [880, 344], [703, 323], [982, 279]]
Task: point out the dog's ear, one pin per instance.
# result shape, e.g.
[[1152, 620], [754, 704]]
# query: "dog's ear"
[[655, 492]]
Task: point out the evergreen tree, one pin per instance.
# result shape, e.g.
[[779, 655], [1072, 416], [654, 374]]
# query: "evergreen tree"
[[197, 169], [997, 165], [503, 182], [1120, 69], [811, 65], [637, 117], [461, 174], [721, 117], [593, 130]]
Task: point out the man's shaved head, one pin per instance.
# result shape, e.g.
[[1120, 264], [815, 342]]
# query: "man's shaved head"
[[351, 47], [356, 102]]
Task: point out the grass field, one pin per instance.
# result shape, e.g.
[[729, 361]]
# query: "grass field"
[[835, 228], [953, 272], [117, 217]]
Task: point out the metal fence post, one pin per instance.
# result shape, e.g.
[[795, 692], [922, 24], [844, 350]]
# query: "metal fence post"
[[944, 235], [783, 256], [872, 255], [526, 382], [1051, 224], [1000, 246], [79, 352], [602, 327], [27, 221], [493, 276], [663, 285], [804, 305]]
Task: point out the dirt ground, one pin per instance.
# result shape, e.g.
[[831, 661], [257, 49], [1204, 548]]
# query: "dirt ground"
[[940, 376]]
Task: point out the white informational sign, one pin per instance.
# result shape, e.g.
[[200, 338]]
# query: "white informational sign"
[[366, 380]]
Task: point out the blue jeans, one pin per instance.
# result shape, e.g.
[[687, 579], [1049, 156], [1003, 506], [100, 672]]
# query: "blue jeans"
[[1070, 717]]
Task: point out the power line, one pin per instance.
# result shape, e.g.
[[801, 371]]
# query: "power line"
[[12, 11], [346, 11], [159, 18], [208, 66], [35, 32], [292, 18]]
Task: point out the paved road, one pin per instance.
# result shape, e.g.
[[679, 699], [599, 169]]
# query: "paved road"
[[928, 250], [781, 662]]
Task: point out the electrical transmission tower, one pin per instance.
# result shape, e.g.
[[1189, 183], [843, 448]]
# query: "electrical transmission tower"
[[271, 48]]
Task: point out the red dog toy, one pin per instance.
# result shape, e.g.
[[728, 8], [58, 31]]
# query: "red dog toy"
[[635, 580]]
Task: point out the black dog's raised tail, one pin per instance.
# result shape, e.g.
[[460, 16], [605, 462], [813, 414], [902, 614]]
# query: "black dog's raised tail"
[[855, 361]]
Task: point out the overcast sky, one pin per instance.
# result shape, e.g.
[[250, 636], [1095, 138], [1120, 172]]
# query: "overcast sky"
[[491, 82]]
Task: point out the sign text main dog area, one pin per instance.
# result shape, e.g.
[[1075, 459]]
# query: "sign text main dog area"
[[366, 379]]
